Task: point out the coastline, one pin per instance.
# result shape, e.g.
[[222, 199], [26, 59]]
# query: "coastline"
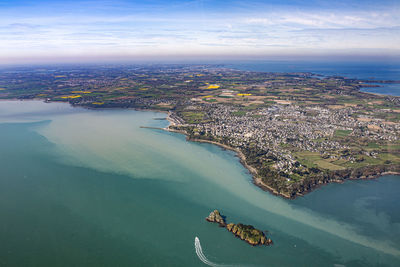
[[253, 171], [256, 180], [242, 158], [377, 94]]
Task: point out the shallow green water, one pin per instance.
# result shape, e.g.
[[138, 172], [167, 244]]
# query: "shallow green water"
[[92, 188]]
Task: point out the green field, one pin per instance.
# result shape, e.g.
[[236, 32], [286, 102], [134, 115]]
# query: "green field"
[[193, 117], [313, 159], [342, 133]]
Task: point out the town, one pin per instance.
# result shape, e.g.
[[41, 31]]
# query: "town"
[[294, 131]]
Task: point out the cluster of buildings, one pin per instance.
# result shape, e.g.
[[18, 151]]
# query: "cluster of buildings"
[[280, 131]]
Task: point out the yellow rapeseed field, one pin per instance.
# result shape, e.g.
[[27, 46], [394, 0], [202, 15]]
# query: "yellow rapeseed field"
[[81, 92], [243, 94], [71, 96]]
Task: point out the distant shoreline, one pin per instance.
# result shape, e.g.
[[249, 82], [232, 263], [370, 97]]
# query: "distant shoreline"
[[378, 94]]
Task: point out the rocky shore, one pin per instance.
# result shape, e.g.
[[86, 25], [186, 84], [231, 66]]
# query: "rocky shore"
[[249, 234], [216, 217], [246, 233], [367, 172]]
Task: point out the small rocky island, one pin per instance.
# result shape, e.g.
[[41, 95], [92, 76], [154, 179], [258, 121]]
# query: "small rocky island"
[[247, 233], [216, 217]]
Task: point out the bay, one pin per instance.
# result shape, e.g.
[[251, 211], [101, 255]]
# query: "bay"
[[91, 188]]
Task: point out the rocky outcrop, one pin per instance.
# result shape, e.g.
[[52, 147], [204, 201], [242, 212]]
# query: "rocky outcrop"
[[216, 217], [270, 180], [247, 233]]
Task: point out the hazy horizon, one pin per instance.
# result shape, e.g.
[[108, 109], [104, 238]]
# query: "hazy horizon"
[[76, 31]]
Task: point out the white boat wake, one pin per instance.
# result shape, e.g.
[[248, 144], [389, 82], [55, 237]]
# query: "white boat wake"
[[203, 258], [200, 254]]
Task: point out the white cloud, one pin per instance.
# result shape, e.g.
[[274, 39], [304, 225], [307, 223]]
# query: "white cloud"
[[251, 33]]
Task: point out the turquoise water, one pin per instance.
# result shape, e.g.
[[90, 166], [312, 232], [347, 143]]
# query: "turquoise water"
[[91, 188]]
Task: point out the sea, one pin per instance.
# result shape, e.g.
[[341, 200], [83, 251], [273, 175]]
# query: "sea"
[[366, 70], [83, 187]]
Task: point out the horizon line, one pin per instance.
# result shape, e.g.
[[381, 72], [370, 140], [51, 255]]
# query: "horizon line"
[[127, 59]]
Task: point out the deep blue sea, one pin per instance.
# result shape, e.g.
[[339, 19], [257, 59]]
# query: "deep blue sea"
[[376, 70]]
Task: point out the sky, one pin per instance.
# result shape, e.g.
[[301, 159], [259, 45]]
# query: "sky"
[[103, 30]]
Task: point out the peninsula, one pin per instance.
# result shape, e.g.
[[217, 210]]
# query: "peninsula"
[[293, 131]]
